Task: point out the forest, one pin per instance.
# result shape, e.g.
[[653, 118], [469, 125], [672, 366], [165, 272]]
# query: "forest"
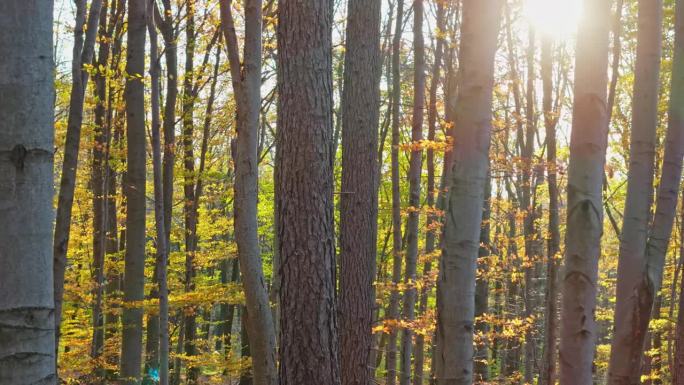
[[341, 192]]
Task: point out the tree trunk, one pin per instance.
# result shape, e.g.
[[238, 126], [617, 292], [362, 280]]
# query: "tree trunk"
[[82, 54], [432, 219], [415, 165], [160, 225], [359, 199], [246, 79], [632, 289], [472, 130], [304, 195], [666, 198], [482, 288], [548, 370], [393, 308], [27, 327], [99, 185], [678, 370], [134, 259], [188, 104], [585, 204]]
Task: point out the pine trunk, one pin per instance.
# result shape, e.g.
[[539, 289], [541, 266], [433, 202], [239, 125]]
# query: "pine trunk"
[[359, 200], [304, 195]]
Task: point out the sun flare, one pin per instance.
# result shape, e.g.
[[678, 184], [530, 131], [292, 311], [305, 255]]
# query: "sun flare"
[[555, 18]]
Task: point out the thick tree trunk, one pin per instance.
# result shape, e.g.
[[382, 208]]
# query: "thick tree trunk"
[[472, 129], [393, 307], [304, 195], [27, 327], [585, 205], [134, 259], [82, 54], [632, 284], [548, 365], [414, 174], [246, 79], [359, 200]]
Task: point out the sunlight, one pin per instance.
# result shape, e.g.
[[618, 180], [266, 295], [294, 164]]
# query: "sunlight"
[[556, 18]]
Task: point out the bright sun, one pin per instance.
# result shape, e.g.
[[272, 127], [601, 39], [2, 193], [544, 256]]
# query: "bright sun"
[[556, 18]]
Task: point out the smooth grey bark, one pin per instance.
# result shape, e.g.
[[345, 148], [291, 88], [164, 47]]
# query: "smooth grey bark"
[[304, 195], [432, 219], [83, 52], [670, 178], [134, 188], [585, 195], [632, 281], [27, 328], [468, 174], [246, 80], [359, 201], [482, 287], [393, 307], [160, 225]]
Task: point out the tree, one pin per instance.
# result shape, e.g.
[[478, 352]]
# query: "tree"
[[134, 187], [246, 79], [359, 201], [432, 218], [415, 165], [304, 195], [467, 178], [27, 328], [632, 288], [82, 55], [160, 225], [550, 348], [585, 201], [393, 307]]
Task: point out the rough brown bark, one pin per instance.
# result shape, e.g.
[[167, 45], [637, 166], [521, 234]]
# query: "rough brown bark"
[[585, 205], [632, 285], [304, 195], [468, 174], [359, 199]]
